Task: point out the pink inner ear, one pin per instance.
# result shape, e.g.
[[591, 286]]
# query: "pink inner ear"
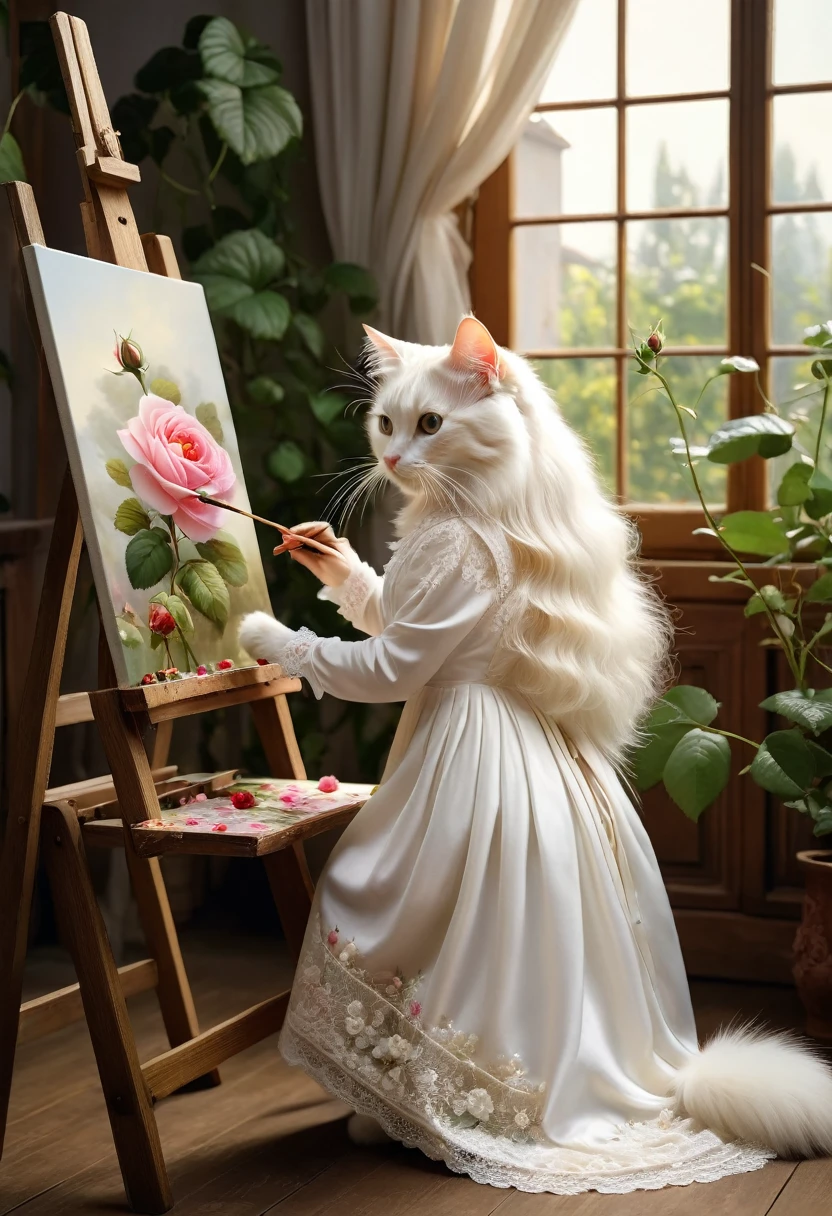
[[474, 349], [385, 347]]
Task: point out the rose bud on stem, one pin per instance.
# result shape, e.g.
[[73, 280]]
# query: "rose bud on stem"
[[130, 358], [162, 623]]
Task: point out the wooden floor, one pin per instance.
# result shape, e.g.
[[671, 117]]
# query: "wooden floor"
[[270, 1140]]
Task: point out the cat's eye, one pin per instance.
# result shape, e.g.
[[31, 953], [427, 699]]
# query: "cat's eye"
[[385, 424], [430, 423]]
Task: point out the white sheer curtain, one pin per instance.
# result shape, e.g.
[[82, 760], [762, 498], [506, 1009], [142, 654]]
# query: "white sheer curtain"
[[415, 103]]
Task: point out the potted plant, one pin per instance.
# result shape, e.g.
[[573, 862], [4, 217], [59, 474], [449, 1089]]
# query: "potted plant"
[[682, 746]]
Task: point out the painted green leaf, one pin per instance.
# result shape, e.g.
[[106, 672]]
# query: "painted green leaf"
[[810, 709], [178, 610], [12, 168], [328, 406], [763, 435], [265, 390], [117, 469], [131, 517], [167, 389], [286, 462], [256, 123], [204, 587], [784, 765], [206, 413], [224, 553], [794, 487], [697, 771], [229, 54], [754, 532], [148, 557], [129, 633]]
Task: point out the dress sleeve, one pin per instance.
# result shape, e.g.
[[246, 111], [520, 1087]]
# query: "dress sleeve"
[[359, 598], [444, 597]]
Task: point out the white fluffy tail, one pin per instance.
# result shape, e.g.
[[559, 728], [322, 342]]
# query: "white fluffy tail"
[[768, 1089]]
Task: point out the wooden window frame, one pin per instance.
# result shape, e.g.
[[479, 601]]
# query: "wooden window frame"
[[666, 528]]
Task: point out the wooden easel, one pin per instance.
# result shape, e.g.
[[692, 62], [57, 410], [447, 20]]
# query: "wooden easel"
[[60, 821]]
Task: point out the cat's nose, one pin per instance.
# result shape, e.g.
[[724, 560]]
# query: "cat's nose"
[[391, 461]]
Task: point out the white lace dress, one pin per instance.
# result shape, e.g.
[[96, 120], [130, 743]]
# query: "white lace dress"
[[491, 968]]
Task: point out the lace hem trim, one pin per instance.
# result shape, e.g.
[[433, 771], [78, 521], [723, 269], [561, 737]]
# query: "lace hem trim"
[[293, 657], [353, 594], [485, 1159]]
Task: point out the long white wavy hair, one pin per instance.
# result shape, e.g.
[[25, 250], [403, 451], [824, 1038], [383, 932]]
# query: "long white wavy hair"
[[587, 641]]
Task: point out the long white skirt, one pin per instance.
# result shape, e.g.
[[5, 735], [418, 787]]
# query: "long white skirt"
[[492, 970]]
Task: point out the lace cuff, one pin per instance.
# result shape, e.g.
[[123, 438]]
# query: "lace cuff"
[[293, 656], [353, 594]]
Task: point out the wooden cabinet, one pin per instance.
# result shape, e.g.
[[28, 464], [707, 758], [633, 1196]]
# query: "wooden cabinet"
[[732, 877]]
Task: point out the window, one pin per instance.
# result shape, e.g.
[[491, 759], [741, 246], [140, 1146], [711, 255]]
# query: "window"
[[674, 169]]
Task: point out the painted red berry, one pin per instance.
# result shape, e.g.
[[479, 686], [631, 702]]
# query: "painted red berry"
[[262, 662], [224, 665], [242, 800], [220, 827], [149, 678]]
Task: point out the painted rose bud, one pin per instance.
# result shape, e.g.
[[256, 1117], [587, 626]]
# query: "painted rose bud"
[[224, 665], [328, 785], [160, 620], [128, 354]]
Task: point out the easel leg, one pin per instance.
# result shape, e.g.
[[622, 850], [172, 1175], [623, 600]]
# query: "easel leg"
[[35, 737], [292, 890], [173, 989], [128, 1101], [137, 796]]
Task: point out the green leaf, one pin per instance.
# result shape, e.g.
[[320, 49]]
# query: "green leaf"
[[768, 596], [236, 274], [178, 610], [650, 758], [12, 168], [117, 469], [311, 333], [820, 591], [818, 335], [821, 501], [256, 123], [327, 406], [763, 435], [784, 765], [148, 557], [754, 532], [794, 488], [264, 390], [809, 709], [204, 587], [356, 282], [694, 703], [822, 759], [206, 413], [129, 633], [225, 554], [286, 462], [697, 771], [230, 55], [166, 389], [131, 517]]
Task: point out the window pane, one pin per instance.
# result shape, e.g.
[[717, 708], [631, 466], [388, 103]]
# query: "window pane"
[[564, 286], [677, 155], [798, 397], [585, 67], [677, 271], [801, 249], [802, 37], [654, 473], [585, 392], [677, 48], [565, 163], [800, 166]]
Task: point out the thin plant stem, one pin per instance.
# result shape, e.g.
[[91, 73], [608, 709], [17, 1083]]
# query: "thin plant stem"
[[821, 424]]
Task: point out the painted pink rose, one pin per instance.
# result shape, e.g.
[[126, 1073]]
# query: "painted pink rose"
[[415, 1009], [175, 458]]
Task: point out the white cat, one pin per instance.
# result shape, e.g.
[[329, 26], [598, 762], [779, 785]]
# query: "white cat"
[[512, 620]]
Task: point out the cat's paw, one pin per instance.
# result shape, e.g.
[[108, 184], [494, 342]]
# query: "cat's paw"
[[263, 637]]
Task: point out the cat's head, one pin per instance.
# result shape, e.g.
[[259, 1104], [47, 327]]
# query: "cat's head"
[[444, 424]]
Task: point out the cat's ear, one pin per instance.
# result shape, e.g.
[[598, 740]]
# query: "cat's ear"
[[474, 350], [384, 352]]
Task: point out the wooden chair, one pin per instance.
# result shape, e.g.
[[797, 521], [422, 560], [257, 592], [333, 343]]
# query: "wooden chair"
[[124, 809]]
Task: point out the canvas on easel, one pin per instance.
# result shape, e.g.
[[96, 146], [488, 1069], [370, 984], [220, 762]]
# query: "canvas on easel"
[[148, 427]]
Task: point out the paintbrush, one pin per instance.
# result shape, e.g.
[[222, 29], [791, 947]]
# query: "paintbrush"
[[308, 541]]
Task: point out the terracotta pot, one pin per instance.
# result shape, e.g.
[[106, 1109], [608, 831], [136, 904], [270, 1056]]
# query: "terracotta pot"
[[813, 945]]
